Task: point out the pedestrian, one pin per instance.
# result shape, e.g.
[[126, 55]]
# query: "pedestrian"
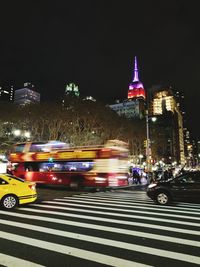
[[136, 177]]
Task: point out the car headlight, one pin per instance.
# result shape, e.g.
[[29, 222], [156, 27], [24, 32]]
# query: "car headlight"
[[152, 185]]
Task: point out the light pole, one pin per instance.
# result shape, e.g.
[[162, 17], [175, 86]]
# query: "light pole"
[[148, 144]]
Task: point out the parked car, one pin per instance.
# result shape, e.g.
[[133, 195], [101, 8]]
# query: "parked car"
[[15, 191], [184, 187]]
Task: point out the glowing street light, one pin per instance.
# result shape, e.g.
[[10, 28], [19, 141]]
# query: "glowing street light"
[[153, 119], [21, 134], [27, 134], [140, 157], [17, 132]]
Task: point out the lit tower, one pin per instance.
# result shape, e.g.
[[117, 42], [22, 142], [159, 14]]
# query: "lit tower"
[[134, 106], [72, 90], [136, 88]]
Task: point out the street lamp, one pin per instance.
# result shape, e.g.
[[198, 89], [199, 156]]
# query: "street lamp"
[[148, 152], [153, 119], [27, 134], [21, 134], [140, 157], [17, 132]]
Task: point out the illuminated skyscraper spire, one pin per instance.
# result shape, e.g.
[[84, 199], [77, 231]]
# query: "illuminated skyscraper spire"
[[136, 88], [135, 73]]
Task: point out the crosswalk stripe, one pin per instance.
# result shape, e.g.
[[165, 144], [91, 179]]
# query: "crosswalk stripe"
[[138, 204], [117, 214], [108, 242], [102, 219], [140, 195], [104, 228], [142, 201], [79, 253], [11, 261], [128, 205]]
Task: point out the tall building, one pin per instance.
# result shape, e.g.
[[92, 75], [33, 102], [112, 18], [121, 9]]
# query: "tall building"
[[72, 90], [198, 153], [127, 109], [89, 98], [6, 93], [136, 88], [26, 95], [165, 105], [134, 105]]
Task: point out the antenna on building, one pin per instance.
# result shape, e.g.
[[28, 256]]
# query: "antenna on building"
[[135, 73]]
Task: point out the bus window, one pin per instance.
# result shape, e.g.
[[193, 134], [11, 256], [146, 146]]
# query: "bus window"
[[31, 166], [69, 166], [36, 147], [19, 148]]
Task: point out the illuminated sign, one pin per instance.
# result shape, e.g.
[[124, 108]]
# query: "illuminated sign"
[[41, 156], [88, 154]]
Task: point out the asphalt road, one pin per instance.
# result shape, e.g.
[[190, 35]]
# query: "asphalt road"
[[52, 192], [49, 193]]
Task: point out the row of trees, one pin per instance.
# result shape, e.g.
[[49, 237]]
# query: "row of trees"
[[77, 123]]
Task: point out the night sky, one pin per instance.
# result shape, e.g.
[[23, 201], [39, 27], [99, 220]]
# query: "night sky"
[[93, 44]]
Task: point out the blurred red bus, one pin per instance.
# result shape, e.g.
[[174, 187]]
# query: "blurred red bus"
[[95, 166]]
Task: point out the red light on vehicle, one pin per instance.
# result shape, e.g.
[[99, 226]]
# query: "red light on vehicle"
[[112, 180]]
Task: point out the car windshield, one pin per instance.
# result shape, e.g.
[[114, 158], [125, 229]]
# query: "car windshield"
[[15, 178]]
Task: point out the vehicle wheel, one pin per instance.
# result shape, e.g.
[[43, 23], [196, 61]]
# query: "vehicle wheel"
[[163, 198], [9, 202]]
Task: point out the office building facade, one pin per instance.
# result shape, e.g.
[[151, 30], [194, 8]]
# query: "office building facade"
[[26, 95], [165, 106]]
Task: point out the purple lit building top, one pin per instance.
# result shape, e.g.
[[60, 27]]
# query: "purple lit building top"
[[136, 88], [137, 85]]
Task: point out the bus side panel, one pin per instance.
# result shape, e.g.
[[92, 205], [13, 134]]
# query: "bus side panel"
[[48, 178], [63, 178]]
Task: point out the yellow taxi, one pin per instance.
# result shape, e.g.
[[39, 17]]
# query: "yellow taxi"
[[15, 191]]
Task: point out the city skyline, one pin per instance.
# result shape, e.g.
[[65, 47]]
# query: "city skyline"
[[94, 45]]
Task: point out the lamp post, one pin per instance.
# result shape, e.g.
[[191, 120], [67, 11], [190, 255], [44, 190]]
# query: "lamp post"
[[148, 144]]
